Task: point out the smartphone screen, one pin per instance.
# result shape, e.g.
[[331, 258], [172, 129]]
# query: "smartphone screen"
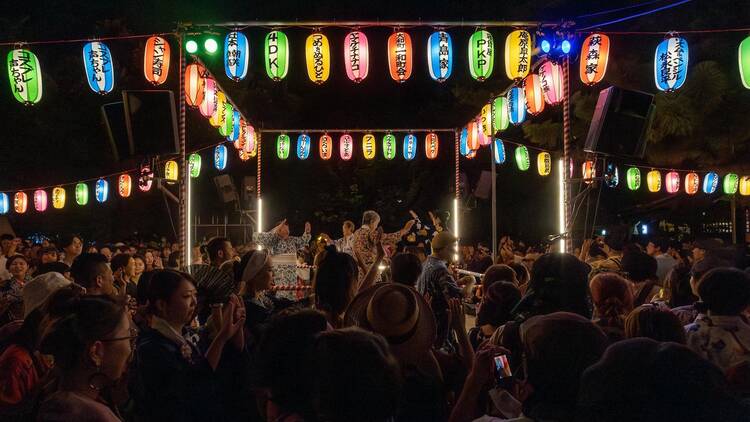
[[502, 368]]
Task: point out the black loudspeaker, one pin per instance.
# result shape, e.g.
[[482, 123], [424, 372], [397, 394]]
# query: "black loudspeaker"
[[151, 122], [113, 116], [225, 188], [484, 186], [621, 120], [248, 189]]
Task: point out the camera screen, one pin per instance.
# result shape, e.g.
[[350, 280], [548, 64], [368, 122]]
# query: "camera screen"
[[502, 368]]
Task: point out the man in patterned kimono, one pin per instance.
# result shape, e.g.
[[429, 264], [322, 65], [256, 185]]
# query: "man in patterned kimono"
[[363, 242], [279, 243]]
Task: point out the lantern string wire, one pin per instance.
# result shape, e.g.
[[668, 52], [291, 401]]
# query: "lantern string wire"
[[688, 31], [619, 9], [637, 15], [79, 40]]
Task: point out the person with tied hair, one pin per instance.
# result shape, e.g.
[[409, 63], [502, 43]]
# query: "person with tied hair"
[[219, 251], [279, 242], [612, 300], [654, 322], [254, 275], [364, 241]]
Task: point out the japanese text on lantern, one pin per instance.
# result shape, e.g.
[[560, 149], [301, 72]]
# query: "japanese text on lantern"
[[443, 53], [354, 50], [318, 55], [400, 54], [523, 52], [234, 54], [672, 62], [21, 70], [99, 62], [157, 62], [592, 57]]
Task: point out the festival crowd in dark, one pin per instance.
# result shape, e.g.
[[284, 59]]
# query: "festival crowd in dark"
[[404, 326]]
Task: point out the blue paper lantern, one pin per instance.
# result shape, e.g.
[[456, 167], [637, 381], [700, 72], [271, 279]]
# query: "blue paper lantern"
[[236, 131], [236, 56], [101, 190], [517, 105], [410, 147], [464, 142], [710, 183], [499, 151], [612, 175], [220, 157], [303, 146], [440, 55], [4, 203], [97, 60], [671, 64]]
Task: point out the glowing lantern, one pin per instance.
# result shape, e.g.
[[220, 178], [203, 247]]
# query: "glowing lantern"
[[210, 99], [97, 60], [743, 56], [40, 200], [670, 64], [516, 105], [318, 57], [612, 176], [499, 151], [82, 194], [101, 190], [588, 171], [218, 118], [692, 183], [58, 197], [145, 178], [544, 163], [464, 142], [244, 155], [237, 124], [485, 118], [277, 55], [25, 76], [220, 157], [634, 178], [481, 55], [236, 55], [551, 80], [534, 94], [195, 85], [410, 147], [710, 183], [356, 56], [325, 147], [156, 60], [431, 146], [399, 56], [389, 146], [194, 164], [472, 142], [124, 185], [227, 121], [594, 58], [517, 54], [171, 171], [440, 55], [303, 146], [653, 181], [500, 115], [368, 146], [250, 141], [484, 140], [20, 202], [745, 185], [522, 158], [4, 203], [731, 183], [282, 146], [346, 147], [673, 182], [471, 154]]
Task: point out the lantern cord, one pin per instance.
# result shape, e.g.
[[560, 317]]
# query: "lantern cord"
[[79, 40], [373, 24], [637, 15], [687, 31], [619, 9]]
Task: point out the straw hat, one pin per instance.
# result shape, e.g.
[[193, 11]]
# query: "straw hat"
[[398, 313], [36, 292]]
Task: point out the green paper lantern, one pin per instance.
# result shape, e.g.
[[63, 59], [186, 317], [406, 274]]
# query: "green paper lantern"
[[25, 76], [194, 164], [82, 194], [282, 146], [500, 116], [731, 183], [634, 178], [277, 55], [389, 147], [522, 158], [744, 60], [481, 55], [227, 120]]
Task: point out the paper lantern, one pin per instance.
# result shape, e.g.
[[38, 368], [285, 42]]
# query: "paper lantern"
[[440, 55], [210, 101], [472, 141], [389, 146], [516, 105], [653, 181], [145, 178], [220, 157], [594, 58], [124, 185], [551, 80], [588, 172], [236, 56], [58, 197], [318, 57], [499, 151], [325, 147], [82, 194], [471, 154], [227, 120], [431, 146], [25, 75], [485, 118], [20, 202], [534, 95], [410, 147], [156, 60], [346, 147], [400, 56], [282, 146], [670, 64], [517, 54], [522, 158], [481, 55], [97, 60], [634, 178], [244, 155], [612, 176], [171, 171], [743, 56], [483, 139], [731, 184], [368, 146], [237, 124], [544, 163], [101, 190], [277, 55], [250, 142], [692, 183], [672, 182], [218, 118], [464, 141], [356, 56], [303, 146], [500, 115], [195, 85], [194, 165], [4, 203], [40, 200], [710, 183], [745, 185]]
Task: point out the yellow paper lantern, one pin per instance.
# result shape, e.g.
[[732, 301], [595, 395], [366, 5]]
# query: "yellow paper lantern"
[[218, 117], [58, 197], [745, 185], [653, 180], [544, 163], [368, 146], [171, 172], [518, 54], [486, 119], [318, 57]]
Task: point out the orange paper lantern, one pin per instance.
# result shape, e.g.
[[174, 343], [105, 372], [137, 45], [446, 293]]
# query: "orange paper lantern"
[[195, 84], [431, 146], [400, 56], [156, 60]]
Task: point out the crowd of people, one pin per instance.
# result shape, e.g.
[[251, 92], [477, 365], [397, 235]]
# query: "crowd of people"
[[404, 326]]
